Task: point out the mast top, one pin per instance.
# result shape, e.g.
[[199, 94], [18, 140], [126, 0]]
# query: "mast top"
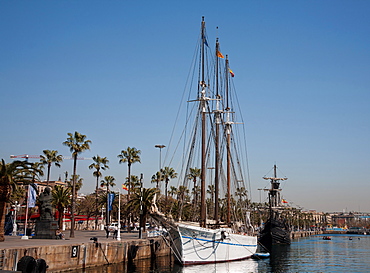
[[275, 178]]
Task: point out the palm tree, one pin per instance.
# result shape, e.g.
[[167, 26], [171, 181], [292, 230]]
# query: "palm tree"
[[100, 163], [6, 181], [168, 173], [18, 194], [182, 194], [146, 201], [37, 170], [211, 192], [131, 155], [108, 182], [133, 183], [196, 192], [28, 173], [50, 157], [77, 144], [193, 175], [78, 184], [10, 174], [156, 178], [173, 191], [242, 193], [61, 199]]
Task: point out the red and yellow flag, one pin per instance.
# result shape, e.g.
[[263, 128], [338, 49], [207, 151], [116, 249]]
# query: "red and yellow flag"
[[124, 187], [219, 54], [284, 201], [232, 73]]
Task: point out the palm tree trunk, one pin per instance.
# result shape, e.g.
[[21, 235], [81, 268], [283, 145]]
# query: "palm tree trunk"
[[166, 189], [60, 220], [129, 181], [107, 214], [130, 217], [195, 192], [2, 219], [5, 190], [48, 178], [72, 233]]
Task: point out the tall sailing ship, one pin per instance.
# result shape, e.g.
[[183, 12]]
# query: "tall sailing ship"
[[276, 229], [221, 233]]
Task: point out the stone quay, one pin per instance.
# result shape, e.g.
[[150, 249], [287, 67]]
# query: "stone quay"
[[86, 249]]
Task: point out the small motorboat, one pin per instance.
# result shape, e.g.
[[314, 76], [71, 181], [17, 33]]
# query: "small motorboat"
[[326, 238]]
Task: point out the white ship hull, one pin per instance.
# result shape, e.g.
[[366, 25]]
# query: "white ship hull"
[[196, 245]]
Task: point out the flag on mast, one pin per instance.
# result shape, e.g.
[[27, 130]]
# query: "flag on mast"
[[205, 41], [124, 187], [219, 54], [232, 73], [32, 194], [110, 200]]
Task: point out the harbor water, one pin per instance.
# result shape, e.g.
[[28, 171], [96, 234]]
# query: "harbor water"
[[343, 253]]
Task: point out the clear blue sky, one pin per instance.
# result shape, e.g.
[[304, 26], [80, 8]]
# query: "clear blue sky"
[[115, 71]]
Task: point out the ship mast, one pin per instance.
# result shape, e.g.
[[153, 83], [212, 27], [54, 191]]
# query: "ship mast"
[[274, 191], [203, 99], [228, 124], [217, 113]]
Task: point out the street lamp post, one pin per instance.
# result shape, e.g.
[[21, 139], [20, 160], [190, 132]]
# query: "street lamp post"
[[160, 146], [119, 216], [102, 219], [64, 219], [16, 207], [141, 208]]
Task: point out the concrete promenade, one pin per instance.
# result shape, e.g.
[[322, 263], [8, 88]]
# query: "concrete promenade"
[[81, 237], [80, 252]]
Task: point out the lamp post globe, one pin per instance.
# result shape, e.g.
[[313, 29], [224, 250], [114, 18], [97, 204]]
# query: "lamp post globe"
[[160, 146]]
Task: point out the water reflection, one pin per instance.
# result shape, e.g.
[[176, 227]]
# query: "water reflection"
[[279, 257], [167, 265], [160, 265], [304, 255], [249, 265]]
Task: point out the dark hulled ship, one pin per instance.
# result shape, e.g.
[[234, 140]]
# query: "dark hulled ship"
[[276, 229]]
